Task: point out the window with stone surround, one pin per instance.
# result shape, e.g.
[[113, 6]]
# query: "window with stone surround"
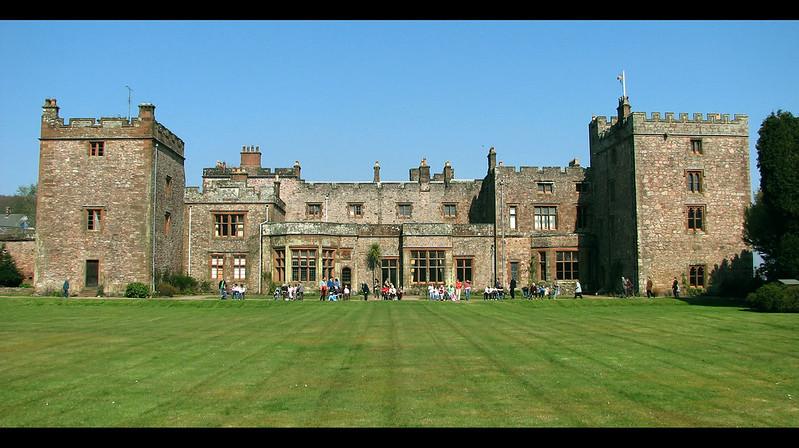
[[388, 270], [427, 266], [239, 267], [546, 217], [217, 266], [463, 269], [168, 187], [582, 217], [512, 216], [696, 146], [696, 217], [313, 209], [542, 265], [404, 210], [355, 210], [96, 149], [280, 266], [328, 264], [450, 210], [303, 265], [566, 265], [514, 270], [696, 275], [94, 218], [546, 187], [228, 225], [167, 223], [694, 178]]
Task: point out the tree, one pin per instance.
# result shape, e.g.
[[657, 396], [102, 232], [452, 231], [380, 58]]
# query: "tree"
[[771, 224], [9, 274], [373, 259]]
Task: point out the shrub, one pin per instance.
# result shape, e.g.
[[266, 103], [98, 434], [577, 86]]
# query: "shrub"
[[137, 289], [205, 287], [775, 297], [9, 274], [185, 284], [166, 290]]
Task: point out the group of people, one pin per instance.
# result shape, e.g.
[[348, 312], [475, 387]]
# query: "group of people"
[[542, 290], [236, 292], [390, 292], [332, 290], [627, 288], [295, 291], [450, 292]]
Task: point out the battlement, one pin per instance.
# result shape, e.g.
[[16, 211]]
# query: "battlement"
[[541, 173], [710, 117], [222, 170], [143, 126], [641, 122], [166, 136], [231, 191]]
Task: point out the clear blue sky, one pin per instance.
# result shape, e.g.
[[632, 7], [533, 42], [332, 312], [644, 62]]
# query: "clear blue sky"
[[339, 95]]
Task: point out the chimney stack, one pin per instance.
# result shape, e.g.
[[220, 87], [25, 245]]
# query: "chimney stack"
[[448, 173], [623, 111], [492, 159], [377, 172], [250, 158], [146, 111], [424, 172]]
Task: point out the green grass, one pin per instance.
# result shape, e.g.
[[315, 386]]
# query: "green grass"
[[595, 363]]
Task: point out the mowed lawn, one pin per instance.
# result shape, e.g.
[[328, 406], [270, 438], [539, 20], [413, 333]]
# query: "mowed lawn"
[[207, 363]]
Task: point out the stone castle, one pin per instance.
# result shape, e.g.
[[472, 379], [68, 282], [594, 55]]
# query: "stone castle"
[[663, 198]]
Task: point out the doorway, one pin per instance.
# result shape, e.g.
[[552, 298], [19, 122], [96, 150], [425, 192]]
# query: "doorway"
[[92, 273]]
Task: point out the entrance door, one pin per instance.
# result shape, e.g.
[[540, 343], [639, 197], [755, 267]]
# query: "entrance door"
[[92, 273], [346, 277]]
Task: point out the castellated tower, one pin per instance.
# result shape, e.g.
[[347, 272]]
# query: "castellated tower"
[[110, 201], [669, 195]]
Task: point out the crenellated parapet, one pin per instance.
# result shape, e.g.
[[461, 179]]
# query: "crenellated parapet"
[[231, 192], [682, 123], [541, 173], [143, 126], [164, 135], [222, 170]]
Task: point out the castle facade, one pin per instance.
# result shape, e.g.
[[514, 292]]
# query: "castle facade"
[[663, 198]]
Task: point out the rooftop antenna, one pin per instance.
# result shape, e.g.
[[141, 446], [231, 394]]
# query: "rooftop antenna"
[[622, 78], [129, 91]]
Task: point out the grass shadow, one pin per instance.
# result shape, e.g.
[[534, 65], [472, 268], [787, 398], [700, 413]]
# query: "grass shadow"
[[738, 302]]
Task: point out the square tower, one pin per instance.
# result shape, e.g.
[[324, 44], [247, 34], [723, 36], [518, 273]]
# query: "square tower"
[[109, 203], [670, 196]]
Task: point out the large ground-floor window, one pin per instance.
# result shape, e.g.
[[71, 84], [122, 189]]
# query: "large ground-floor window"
[[303, 265], [427, 266], [696, 276], [388, 267], [566, 265], [217, 266], [328, 265], [463, 269], [280, 266]]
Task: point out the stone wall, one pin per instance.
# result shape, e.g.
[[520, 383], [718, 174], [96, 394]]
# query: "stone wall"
[[24, 254], [663, 156], [639, 180], [201, 242], [119, 183]]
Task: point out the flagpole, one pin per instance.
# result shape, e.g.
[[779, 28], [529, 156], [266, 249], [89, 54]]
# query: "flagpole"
[[624, 84]]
